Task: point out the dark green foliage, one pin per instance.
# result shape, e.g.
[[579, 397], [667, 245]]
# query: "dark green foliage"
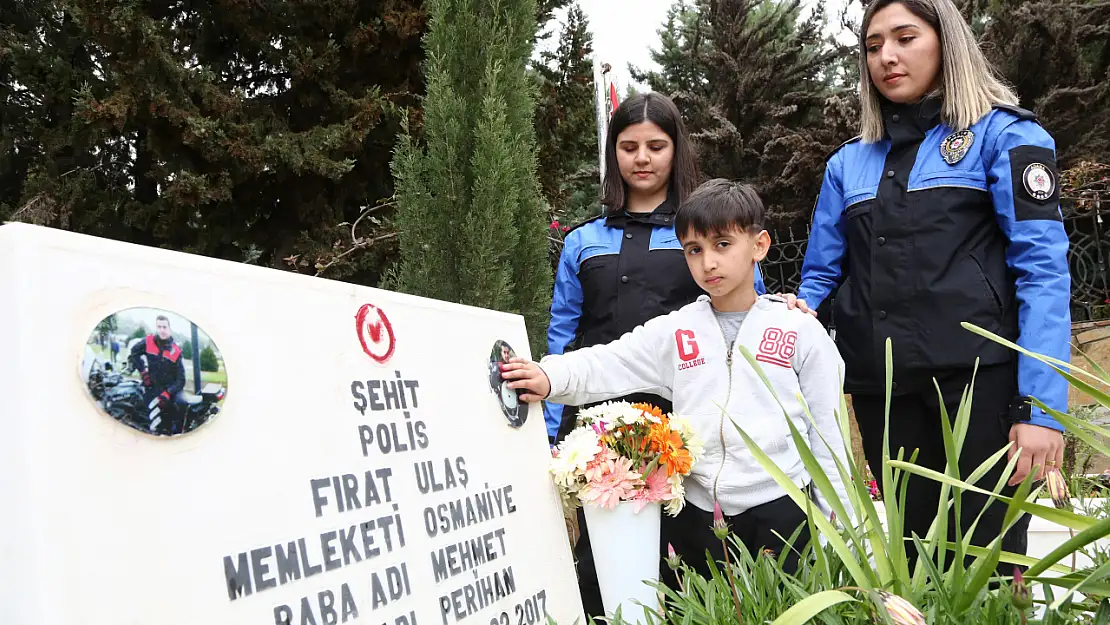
[[757, 85], [566, 130], [471, 219], [244, 131], [208, 360]]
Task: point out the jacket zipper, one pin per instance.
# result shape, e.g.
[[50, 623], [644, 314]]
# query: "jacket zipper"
[[728, 396]]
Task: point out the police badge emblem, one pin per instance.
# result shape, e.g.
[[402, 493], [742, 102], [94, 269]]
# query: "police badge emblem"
[[956, 145], [1039, 183]]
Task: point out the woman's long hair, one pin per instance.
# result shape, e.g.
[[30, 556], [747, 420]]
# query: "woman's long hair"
[[969, 84], [661, 111]]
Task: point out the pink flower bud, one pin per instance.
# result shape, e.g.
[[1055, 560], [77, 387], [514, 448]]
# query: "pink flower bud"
[[720, 528], [1021, 598], [673, 561]]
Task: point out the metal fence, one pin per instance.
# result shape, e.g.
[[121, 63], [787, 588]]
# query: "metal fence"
[[1088, 255]]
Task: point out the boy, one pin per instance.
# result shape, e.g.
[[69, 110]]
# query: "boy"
[[691, 357]]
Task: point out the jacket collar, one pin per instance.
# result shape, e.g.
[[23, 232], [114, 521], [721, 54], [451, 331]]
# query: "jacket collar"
[[663, 215], [762, 302], [909, 123]]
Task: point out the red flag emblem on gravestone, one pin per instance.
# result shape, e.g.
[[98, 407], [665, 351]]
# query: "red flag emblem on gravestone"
[[375, 333]]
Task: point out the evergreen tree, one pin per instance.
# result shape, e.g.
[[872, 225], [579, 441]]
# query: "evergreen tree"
[[756, 85], [566, 127], [681, 43], [1056, 54], [243, 131], [472, 223]]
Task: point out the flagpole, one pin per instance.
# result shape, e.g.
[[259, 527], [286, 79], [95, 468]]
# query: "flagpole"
[[601, 106]]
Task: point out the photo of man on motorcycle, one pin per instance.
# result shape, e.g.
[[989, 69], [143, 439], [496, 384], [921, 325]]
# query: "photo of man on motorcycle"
[[158, 360]]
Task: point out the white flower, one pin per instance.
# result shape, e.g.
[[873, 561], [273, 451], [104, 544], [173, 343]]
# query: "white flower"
[[575, 452], [686, 429], [676, 503]]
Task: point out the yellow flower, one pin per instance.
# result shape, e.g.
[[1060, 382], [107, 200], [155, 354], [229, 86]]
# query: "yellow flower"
[[901, 611], [1057, 488]]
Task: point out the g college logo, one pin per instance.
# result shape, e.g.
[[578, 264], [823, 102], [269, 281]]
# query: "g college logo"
[[687, 349], [375, 333], [687, 346]]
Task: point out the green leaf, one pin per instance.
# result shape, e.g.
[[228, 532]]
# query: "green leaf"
[[1079, 428], [1055, 363], [811, 606], [1063, 517], [1012, 558], [861, 577], [851, 562], [1091, 578], [1097, 530]]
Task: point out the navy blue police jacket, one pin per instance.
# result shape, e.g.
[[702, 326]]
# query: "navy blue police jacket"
[[615, 273], [931, 227]]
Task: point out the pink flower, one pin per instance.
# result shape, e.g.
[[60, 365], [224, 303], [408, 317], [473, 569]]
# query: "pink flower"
[[554, 225], [597, 467], [656, 488], [613, 482], [720, 528]]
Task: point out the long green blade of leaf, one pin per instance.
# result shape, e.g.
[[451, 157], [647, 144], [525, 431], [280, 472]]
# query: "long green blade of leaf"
[[1012, 558], [849, 559], [1091, 578], [811, 606], [1048, 360], [1063, 517], [1098, 530]]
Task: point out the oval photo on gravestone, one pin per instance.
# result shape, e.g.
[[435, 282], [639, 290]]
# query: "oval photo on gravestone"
[[515, 411], [154, 370]]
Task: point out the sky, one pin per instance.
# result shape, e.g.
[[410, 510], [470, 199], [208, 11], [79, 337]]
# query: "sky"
[[625, 32]]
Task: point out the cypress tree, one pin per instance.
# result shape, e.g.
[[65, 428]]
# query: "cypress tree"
[[566, 127], [471, 221]]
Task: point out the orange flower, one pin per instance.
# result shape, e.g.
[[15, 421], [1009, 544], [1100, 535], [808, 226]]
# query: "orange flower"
[[651, 410], [658, 436], [674, 456]]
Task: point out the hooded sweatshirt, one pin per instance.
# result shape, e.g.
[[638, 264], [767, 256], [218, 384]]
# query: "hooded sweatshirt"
[[683, 357]]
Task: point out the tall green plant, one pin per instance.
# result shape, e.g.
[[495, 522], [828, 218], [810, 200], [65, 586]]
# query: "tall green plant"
[[471, 220], [860, 569]]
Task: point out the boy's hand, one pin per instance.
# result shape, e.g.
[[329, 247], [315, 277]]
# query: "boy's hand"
[[528, 376], [793, 302]]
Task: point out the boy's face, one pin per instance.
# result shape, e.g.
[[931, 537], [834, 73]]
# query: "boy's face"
[[722, 263]]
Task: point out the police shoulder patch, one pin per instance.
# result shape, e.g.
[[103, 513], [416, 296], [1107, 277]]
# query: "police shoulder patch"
[[1035, 183], [1039, 181]]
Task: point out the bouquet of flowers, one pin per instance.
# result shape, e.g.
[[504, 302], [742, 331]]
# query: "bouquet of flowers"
[[626, 452]]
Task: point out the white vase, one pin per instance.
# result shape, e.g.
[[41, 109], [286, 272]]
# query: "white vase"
[[625, 545]]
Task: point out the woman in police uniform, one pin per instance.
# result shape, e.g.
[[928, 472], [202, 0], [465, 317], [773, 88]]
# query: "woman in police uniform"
[[626, 266], [944, 210]]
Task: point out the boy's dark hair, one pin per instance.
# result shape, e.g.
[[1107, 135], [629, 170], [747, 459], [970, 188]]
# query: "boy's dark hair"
[[720, 205], [661, 111]]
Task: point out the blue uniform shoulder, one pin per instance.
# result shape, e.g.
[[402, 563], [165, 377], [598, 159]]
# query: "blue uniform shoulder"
[[591, 220], [1017, 111], [840, 147]]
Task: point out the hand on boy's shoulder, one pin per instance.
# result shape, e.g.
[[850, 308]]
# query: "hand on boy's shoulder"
[[804, 321]]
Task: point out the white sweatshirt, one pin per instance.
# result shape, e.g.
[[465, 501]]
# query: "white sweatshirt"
[[682, 356]]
